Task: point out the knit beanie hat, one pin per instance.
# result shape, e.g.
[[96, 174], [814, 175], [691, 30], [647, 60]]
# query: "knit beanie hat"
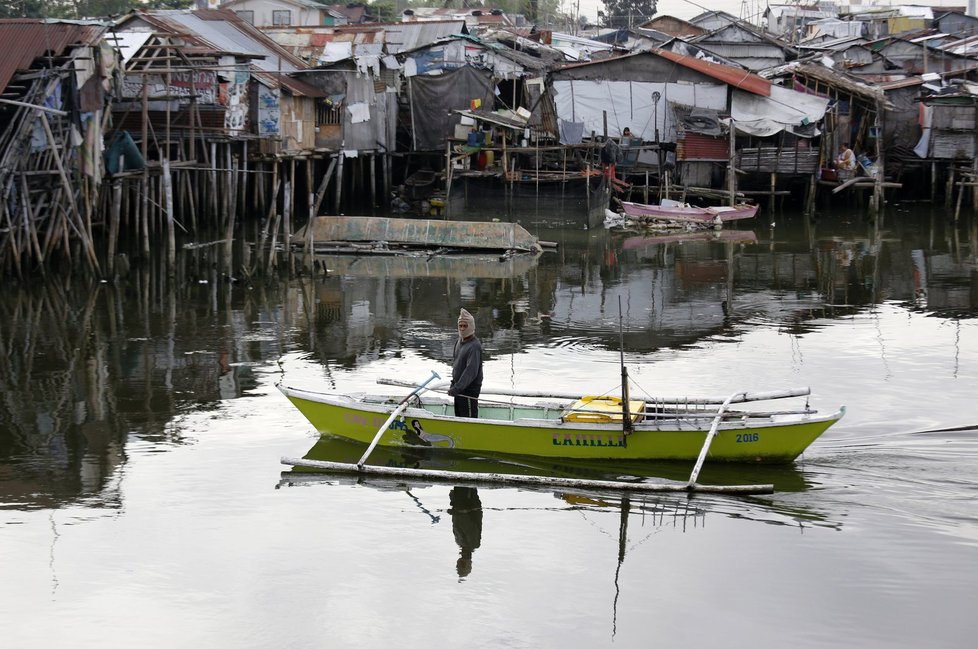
[[465, 316]]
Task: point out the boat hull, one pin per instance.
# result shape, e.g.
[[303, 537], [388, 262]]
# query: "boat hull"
[[689, 214], [772, 440]]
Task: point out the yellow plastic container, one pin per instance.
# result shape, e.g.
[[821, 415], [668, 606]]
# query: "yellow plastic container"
[[602, 410]]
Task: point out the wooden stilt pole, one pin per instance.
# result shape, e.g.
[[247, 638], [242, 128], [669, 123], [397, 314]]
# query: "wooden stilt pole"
[[113, 225], [341, 162], [231, 218], [311, 207], [372, 161], [323, 185], [171, 243], [732, 170]]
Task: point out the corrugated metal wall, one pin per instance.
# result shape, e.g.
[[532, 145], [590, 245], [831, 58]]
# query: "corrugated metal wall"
[[696, 146]]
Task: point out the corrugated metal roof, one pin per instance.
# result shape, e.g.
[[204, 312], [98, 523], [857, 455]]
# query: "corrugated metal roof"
[[24, 40], [402, 37], [732, 76], [291, 84], [223, 32]]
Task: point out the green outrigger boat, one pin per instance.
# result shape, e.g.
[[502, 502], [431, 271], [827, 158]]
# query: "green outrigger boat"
[[569, 426]]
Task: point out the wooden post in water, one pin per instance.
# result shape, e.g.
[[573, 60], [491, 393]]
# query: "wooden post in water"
[[880, 163], [323, 185], [372, 158], [310, 211], [449, 176], [288, 194], [171, 245], [212, 173], [231, 218], [386, 162], [732, 169], [341, 162], [114, 208], [144, 189], [243, 179]]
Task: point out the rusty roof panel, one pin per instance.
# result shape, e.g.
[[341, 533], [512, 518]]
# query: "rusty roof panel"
[[23, 40], [732, 76]]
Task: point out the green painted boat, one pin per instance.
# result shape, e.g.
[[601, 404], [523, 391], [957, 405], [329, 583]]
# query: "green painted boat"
[[582, 428]]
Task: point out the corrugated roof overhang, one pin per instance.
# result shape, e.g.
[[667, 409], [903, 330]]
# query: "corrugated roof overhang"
[[735, 77], [23, 40]]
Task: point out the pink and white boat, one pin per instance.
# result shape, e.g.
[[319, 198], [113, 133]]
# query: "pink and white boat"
[[684, 213]]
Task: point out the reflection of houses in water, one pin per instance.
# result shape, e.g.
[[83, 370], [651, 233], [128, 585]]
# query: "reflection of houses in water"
[[672, 293], [85, 371]]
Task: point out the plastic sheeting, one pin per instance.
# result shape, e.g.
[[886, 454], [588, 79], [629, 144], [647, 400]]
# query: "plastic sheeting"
[[370, 120], [785, 109], [630, 103], [434, 98]]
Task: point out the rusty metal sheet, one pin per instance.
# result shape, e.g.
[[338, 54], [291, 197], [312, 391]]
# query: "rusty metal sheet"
[[22, 40], [484, 235]]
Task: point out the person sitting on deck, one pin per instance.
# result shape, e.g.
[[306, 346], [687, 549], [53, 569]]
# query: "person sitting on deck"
[[847, 159], [466, 368]]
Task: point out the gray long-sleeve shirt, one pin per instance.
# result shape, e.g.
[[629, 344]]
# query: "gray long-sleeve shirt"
[[467, 367]]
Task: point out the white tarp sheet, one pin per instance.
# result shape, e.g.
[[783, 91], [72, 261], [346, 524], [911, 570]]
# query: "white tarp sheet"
[[629, 103], [130, 42], [784, 109]]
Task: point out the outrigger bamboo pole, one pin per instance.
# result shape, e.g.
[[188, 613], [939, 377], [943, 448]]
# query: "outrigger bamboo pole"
[[401, 406], [538, 481], [693, 401], [709, 437]]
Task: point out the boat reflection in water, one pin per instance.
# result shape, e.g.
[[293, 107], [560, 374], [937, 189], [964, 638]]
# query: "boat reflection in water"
[[654, 238], [466, 509], [425, 264]]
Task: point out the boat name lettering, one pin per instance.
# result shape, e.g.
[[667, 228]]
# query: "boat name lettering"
[[747, 437], [588, 439], [355, 419]]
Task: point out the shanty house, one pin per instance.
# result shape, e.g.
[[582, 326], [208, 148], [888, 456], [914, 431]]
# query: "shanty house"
[[950, 122], [320, 45], [56, 79], [284, 13], [208, 71], [713, 20], [464, 73], [673, 26], [665, 97], [746, 46], [956, 23], [791, 21]]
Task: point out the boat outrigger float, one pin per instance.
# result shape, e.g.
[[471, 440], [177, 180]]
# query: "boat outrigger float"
[[568, 426]]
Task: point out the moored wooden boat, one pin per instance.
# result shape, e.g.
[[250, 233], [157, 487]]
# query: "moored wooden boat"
[[338, 232], [589, 427], [673, 211]]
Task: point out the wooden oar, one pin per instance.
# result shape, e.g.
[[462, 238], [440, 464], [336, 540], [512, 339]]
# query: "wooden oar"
[[400, 407]]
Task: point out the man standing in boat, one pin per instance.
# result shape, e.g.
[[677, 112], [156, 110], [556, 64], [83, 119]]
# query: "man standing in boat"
[[466, 368]]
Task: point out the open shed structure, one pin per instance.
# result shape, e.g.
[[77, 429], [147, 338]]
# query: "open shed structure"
[[56, 78]]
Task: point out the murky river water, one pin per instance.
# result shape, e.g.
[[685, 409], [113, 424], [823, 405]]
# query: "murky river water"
[[143, 503]]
